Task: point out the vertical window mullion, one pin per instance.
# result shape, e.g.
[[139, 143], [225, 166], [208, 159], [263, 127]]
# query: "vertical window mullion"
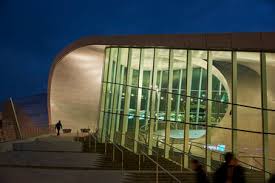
[[169, 103], [139, 93], [127, 97], [234, 101], [209, 109], [264, 115], [187, 106]]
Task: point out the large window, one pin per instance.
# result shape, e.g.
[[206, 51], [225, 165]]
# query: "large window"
[[218, 101]]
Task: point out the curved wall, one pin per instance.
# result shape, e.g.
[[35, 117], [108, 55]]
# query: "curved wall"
[[75, 88]]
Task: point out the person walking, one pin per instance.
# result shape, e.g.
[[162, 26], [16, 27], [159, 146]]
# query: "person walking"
[[230, 171], [200, 174], [58, 126]]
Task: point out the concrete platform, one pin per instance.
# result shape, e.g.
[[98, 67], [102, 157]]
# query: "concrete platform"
[[51, 143], [31, 175], [49, 159]]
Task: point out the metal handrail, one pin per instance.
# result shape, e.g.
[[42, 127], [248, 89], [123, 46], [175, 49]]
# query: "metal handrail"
[[188, 154], [190, 123], [218, 152], [27, 133], [115, 145], [95, 139], [192, 144], [156, 163], [190, 96], [248, 156], [185, 153]]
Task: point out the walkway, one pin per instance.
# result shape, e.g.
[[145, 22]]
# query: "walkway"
[[52, 159]]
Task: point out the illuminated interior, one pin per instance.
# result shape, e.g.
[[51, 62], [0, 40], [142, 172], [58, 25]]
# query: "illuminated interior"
[[145, 91], [180, 97]]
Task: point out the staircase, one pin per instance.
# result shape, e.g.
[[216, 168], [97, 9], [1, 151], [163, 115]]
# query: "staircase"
[[138, 168]]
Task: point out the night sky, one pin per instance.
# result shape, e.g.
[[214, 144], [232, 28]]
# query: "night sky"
[[32, 32]]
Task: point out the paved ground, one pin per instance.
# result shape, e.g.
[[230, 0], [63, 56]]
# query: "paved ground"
[[52, 159], [30, 175]]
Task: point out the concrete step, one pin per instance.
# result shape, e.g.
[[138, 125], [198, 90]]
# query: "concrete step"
[[50, 159], [24, 175], [54, 144]]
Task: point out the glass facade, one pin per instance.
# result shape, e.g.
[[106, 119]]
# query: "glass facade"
[[200, 102]]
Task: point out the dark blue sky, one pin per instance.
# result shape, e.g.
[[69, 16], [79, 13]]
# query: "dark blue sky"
[[32, 32]]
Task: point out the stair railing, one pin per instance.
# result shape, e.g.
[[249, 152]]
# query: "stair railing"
[[159, 166], [107, 139], [155, 162], [95, 140], [189, 154]]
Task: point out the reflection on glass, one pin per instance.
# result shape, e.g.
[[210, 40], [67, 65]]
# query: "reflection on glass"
[[128, 103]]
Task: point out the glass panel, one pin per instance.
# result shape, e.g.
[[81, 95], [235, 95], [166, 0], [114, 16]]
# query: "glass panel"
[[221, 88], [250, 149], [133, 97], [177, 116], [249, 91], [198, 93], [221, 97], [104, 86], [162, 66], [198, 104], [220, 142], [122, 89], [179, 84], [119, 79], [270, 74], [110, 90], [146, 93], [271, 153]]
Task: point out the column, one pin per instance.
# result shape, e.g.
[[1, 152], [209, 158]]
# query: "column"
[[140, 81], [103, 93], [112, 96], [115, 95], [107, 97], [148, 100], [264, 115], [169, 104], [179, 95], [187, 106], [199, 100], [209, 109], [234, 101], [119, 97], [158, 98], [152, 106], [127, 97]]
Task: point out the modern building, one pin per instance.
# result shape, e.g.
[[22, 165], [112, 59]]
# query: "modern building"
[[201, 94]]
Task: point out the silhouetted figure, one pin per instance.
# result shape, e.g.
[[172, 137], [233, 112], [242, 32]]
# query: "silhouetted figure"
[[272, 179], [201, 176], [58, 126], [230, 171]]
